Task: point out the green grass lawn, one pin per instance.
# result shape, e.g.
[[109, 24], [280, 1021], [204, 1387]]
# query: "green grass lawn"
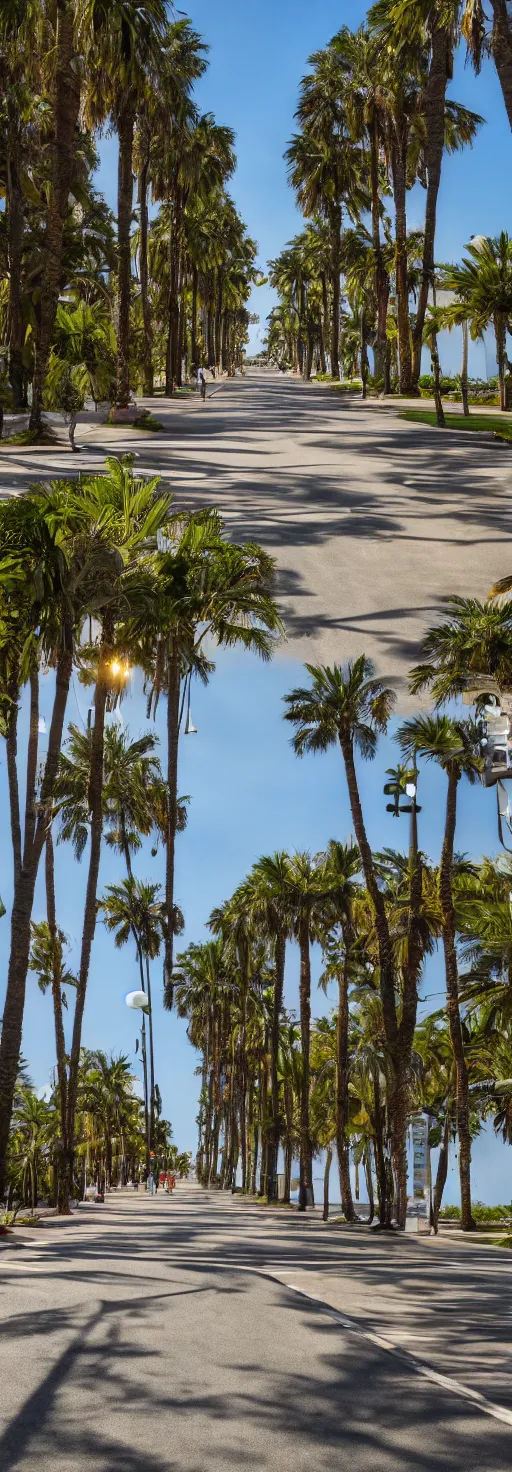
[[491, 423]]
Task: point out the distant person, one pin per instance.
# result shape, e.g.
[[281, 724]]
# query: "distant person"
[[203, 385], [150, 1184]]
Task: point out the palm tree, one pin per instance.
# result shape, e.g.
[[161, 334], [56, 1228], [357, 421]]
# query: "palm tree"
[[134, 908], [231, 923], [484, 283], [64, 555], [204, 988], [197, 157], [453, 745], [205, 589], [123, 67], [358, 55], [326, 168], [457, 314], [66, 109], [267, 895], [350, 707], [303, 901], [33, 1128], [342, 864], [134, 514], [47, 959], [133, 790], [182, 61], [323, 1113], [433, 1043], [106, 1094], [473, 642]]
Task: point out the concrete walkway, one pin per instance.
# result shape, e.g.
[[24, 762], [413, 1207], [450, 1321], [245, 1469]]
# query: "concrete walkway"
[[157, 1335], [372, 520]]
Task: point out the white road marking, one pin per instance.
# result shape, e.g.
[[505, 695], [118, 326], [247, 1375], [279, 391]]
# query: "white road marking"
[[445, 1382]]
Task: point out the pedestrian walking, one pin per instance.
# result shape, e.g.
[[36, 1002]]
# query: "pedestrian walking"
[[203, 386]]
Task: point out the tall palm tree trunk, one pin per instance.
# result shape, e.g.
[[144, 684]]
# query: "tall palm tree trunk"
[[464, 368], [173, 717], [211, 355], [64, 1174], [145, 1078], [398, 1107], [95, 799], [24, 887], [288, 1153], [151, 1062], [262, 1116], [277, 1006], [147, 350], [387, 970], [335, 223], [381, 275], [16, 226], [402, 1051], [367, 1163], [452, 999], [219, 324], [380, 1160], [502, 50], [500, 336], [255, 1159], [306, 1151], [182, 327], [125, 130], [434, 113], [66, 109], [148, 1119], [193, 320], [401, 267], [342, 1082], [174, 302], [442, 1168], [327, 1175]]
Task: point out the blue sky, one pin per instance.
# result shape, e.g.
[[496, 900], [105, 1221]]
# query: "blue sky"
[[258, 54], [249, 795]]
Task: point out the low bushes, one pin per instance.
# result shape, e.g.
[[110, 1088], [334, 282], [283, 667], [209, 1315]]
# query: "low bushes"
[[481, 1213]]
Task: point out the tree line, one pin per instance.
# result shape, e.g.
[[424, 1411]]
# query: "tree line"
[[109, 1137], [93, 305], [273, 1083], [98, 578], [374, 117]]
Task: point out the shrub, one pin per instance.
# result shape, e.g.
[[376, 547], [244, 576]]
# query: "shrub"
[[481, 1213]]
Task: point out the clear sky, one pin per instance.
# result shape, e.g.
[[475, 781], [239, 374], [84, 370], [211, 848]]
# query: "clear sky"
[[258, 54]]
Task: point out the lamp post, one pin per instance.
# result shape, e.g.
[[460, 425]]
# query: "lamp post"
[[138, 1002]]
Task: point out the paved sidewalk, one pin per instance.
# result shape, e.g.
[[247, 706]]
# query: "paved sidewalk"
[[372, 520], [157, 1334]]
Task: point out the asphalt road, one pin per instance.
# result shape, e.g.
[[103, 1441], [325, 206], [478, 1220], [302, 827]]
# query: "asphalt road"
[[372, 520], [157, 1334]]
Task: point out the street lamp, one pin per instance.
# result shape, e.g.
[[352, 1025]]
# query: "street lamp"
[[138, 1002]]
